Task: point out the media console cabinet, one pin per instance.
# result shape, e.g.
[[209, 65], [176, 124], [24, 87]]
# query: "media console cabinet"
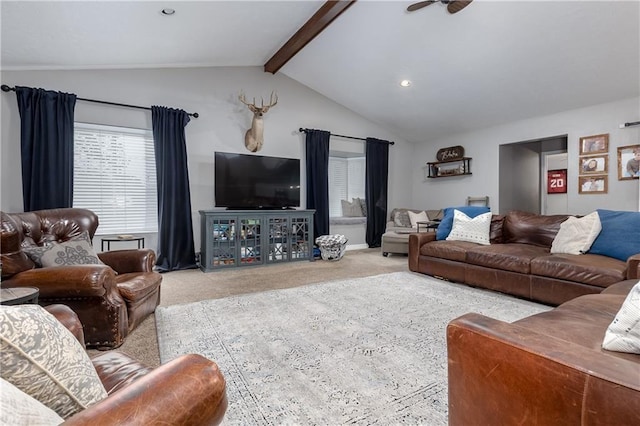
[[232, 238]]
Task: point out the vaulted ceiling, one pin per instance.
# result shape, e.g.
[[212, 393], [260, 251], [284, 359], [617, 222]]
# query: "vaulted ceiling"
[[492, 63]]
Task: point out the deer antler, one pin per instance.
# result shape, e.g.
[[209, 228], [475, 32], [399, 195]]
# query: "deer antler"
[[271, 101], [243, 100]]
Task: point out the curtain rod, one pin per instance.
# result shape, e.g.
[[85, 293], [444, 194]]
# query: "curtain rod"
[[6, 88], [342, 136], [633, 123]]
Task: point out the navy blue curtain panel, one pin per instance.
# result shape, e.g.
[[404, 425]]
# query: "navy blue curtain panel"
[[376, 172], [175, 228], [46, 144], [317, 162]]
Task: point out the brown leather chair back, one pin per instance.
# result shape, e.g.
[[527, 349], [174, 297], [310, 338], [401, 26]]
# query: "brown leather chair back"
[[38, 227], [530, 228]]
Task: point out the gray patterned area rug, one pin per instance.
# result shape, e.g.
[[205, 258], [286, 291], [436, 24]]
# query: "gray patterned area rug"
[[363, 351]]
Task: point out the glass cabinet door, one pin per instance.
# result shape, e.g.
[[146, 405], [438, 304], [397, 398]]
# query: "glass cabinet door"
[[250, 250], [224, 248], [278, 228], [300, 238]]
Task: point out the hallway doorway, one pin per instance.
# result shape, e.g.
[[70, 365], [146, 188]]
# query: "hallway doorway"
[[522, 175]]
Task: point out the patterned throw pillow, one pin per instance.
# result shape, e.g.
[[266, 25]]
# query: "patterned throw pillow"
[[623, 334], [473, 230], [43, 359], [447, 218], [16, 407], [76, 251]]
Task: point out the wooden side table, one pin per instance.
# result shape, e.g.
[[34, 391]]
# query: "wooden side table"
[[19, 295]]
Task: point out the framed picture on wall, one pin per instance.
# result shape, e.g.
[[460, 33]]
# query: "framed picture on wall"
[[595, 164], [595, 144], [593, 184], [557, 181], [628, 162]]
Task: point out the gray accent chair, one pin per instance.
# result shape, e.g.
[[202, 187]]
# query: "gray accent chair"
[[396, 237]]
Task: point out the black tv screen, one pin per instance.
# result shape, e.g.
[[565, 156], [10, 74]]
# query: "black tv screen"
[[245, 181]]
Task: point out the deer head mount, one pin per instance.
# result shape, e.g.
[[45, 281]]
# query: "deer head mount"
[[254, 138]]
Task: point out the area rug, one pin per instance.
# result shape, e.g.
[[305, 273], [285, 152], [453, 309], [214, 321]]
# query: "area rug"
[[363, 351]]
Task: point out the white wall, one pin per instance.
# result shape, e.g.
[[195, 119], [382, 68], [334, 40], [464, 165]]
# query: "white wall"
[[213, 93], [483, 146]]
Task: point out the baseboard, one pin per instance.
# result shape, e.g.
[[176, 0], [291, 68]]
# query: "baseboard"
[[356, 246]]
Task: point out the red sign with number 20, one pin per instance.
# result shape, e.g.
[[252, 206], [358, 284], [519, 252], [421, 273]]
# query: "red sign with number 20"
[[557, 181]]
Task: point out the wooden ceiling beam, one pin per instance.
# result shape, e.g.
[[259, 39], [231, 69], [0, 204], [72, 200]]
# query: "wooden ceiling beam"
[[314, 26]]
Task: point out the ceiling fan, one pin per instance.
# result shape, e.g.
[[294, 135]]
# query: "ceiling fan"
[[453, 6]]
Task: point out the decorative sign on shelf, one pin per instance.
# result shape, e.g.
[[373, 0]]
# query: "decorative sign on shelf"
[[451, 153], [557, 181]]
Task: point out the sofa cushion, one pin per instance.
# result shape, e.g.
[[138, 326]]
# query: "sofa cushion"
[[473, 230], [507, 257], [623, 334], [577, 234], [43, 359], [620, 235], [450, 250], [529, 228], [592, 269], [447, 219], [18, 408]]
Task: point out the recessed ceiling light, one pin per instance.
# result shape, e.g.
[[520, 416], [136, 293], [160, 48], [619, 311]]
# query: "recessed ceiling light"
[[405, 83], [168, 11]]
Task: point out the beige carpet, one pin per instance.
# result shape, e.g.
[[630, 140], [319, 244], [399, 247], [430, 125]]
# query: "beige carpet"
[[193, 285]]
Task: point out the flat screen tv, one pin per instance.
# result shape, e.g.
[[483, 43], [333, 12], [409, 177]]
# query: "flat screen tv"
[[244, 181]]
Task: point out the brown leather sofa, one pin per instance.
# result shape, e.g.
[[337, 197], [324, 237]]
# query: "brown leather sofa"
[[546, 369], [518, 261], [110, 299], [190, 390]]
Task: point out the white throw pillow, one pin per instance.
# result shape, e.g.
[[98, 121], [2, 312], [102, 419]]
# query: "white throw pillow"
[[18, 408], [417, 217], [577, 234], [43, 359], [474, 230], [623, 334]]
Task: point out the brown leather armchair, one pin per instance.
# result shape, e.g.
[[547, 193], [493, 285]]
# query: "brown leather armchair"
[[110, 299], [189, 390]]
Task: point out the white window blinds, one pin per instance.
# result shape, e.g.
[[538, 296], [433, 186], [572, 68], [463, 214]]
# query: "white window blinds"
[[346, 181], [115, 176]]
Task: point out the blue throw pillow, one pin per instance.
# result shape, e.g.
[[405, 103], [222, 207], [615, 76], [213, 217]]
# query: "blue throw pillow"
[[620, 235], [447, 219]]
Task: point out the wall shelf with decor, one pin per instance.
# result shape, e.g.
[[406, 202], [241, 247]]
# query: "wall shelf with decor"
[[447, 168]]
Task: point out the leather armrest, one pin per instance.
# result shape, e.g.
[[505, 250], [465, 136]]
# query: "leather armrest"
[[633, 267], [126, 261], [69, 319], [415, 242], [501, 373], [187, 390], [66, 281]]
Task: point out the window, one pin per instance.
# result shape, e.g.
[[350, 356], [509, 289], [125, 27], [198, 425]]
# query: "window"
[[346, 181], [115, 176]]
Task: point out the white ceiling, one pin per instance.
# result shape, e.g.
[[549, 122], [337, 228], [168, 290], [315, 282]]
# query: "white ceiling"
[[492, 63]]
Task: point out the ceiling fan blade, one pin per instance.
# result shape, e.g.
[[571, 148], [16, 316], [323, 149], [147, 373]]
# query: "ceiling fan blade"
[[420, 5], [456, 6]]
